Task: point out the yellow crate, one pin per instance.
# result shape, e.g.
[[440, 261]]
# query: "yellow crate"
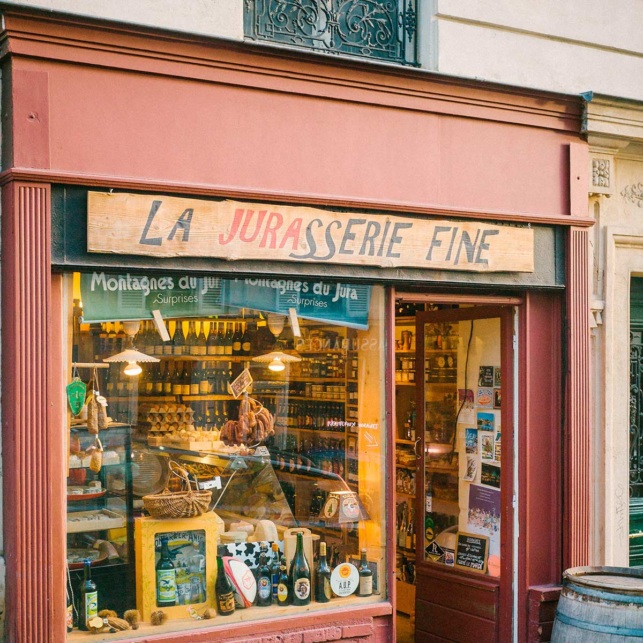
[[145, 532]]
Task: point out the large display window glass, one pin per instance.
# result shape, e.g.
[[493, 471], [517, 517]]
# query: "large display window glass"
[[226, 450]]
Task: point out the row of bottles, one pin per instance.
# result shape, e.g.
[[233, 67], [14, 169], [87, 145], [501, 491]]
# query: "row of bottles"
[[327, 416], [222, 339], [301, 454], [185, 378]]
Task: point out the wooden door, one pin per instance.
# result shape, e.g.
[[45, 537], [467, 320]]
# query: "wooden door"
[[464, 476]]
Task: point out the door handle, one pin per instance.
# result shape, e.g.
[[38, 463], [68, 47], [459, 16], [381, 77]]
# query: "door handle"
[[415, 448]]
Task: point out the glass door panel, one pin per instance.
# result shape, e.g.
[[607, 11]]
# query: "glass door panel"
[[460, 463]]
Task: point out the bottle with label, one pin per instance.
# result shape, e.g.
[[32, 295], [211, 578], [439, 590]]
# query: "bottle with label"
[[186, 380], [191, 339], [165, 578], [221, 340], [299, 575], [211, 342], [365, 587], [236, 340], [178, 341], [264, 582], [224, 591], [322, 578], [229, 339], [201, 346], [88, 598], [246, 342], [274, 571], [283, 587]]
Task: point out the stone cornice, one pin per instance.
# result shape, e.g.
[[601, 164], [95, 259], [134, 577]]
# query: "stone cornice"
[[611, 122]]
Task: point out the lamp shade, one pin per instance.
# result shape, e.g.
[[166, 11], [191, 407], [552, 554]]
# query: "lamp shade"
[[342, 507], [131, 355], [276, 356]]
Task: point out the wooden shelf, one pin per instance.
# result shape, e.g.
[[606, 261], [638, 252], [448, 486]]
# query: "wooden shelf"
[[406, 495], [401, 441]]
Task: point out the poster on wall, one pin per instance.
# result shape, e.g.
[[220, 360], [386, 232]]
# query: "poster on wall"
[[485, 398], [486, 421], [486, 446], [473, 467], [466, 406], [471, 440], [483, 516], [490, 475], [485, 376]]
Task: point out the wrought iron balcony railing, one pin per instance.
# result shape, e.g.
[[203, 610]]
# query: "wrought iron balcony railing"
[[381, 29]]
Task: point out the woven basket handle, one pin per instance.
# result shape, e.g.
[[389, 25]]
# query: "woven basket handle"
[[182, 473]]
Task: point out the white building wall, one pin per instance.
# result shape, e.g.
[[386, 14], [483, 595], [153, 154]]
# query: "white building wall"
[[572, 47], [221, 18]]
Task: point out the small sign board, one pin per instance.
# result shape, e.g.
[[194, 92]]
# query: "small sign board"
[[471, 552], [434, 551], [344, 580], [241, 383]]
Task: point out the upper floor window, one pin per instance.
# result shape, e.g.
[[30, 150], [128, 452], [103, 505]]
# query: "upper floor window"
[[380, 29]]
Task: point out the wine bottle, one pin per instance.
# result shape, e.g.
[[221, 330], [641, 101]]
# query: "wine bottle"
[[167, 378], [274, 571], [236, 340], [223, 590], [365, 587], [88, 598], [322, 578], [211, 343], [177, 389], [229, 339], [191, 339], [246, 342], [165, 578], [194, 380], [221, 339], [168, 346], [264, 582], [283, 587], [185, 380], [201, 342], [178, 341], [204, 384], [299, 575]]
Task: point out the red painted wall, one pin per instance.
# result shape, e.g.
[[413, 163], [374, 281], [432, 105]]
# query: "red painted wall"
[[110, 106]]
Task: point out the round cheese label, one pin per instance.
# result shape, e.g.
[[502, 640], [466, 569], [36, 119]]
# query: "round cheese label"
[[344, 580]]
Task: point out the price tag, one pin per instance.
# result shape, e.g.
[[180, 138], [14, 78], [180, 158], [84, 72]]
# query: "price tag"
[[241, 383], [215, 483]]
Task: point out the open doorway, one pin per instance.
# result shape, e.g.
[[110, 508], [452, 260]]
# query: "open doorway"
[[454, 471]]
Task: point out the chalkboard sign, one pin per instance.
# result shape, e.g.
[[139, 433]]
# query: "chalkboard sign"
[[472, 552]]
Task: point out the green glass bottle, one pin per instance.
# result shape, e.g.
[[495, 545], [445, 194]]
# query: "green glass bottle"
[[165, 578], [322, 578], [88, 598], [224, 591], [284, 595], [299, 575], [264, 582]]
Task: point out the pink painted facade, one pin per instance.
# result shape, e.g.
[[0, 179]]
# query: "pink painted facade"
[[103, 106]]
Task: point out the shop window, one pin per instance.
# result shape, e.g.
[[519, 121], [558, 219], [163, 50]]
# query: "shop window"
[[364, 28], [233, 443]]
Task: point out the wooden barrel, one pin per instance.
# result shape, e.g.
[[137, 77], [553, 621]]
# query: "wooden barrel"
[[600, 604]]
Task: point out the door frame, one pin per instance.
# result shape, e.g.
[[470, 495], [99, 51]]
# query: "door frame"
[[504, 309]]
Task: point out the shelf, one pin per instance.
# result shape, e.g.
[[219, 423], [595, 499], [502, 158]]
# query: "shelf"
[[405, 384], [406, 495], [308, 430], [401, 441], [206, 358], [405, 550]]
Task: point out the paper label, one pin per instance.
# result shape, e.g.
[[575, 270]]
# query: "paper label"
[[302, 588], [166, 585]]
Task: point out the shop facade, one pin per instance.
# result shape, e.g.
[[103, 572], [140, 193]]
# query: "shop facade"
[[449, 216]]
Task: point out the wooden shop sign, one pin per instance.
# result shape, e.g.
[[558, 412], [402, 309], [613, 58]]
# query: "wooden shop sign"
[[162, 226], [472, 552]]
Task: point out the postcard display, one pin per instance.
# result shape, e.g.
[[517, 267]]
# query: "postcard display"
[[463, 471], [462, 446]]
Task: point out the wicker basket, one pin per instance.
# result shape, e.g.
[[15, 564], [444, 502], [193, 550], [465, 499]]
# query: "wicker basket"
[[186, 503]]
